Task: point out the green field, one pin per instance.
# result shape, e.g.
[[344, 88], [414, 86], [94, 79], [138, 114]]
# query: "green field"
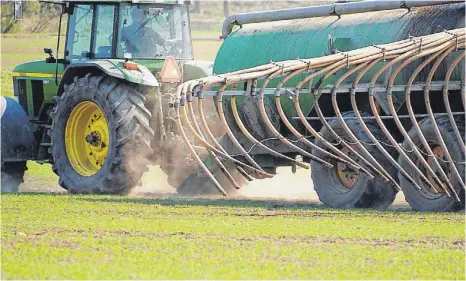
[[97, 237]]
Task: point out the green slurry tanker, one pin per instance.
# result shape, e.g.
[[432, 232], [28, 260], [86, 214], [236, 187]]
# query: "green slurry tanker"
[[368, 95]]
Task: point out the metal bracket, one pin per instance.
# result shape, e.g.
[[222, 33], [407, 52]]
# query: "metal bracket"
[[382, 49]]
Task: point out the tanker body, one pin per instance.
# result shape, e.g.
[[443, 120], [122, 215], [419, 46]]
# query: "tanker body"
[[370, 93], [260, 43]]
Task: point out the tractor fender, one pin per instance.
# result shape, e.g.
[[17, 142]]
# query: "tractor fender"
[[113, 68], [17, 135]]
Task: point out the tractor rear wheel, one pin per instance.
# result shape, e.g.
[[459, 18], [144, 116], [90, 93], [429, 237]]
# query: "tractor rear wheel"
[[100, 136], [426, 199], [343, 187], [12, 175]]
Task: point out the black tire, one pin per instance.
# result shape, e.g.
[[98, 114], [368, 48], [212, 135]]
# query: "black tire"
[[425, 200], [12, 175], [129, 132], [365, 193]]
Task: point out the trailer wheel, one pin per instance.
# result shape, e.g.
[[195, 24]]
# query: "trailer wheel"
[[426, 199], [100, 136], [342, 187], [12, 175]]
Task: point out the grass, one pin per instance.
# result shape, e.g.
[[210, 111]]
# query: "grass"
[[96, 237]]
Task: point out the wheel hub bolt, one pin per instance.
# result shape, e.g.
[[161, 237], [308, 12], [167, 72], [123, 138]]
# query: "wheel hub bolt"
[[93, 139]]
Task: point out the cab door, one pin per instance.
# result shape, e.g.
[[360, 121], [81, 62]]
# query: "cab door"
[[91, 33]]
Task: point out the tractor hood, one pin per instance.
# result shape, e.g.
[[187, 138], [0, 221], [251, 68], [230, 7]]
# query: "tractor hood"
[[146, 74], [39, 69]]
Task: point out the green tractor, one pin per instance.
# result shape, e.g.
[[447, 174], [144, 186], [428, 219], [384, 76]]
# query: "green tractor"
[[101, 114]]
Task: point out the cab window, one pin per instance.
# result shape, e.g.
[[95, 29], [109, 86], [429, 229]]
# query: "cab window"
[[105, 15], [154, 31], [79, 32]]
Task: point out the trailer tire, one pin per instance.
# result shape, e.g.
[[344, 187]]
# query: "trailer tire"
[[12, 175], [424, 200], [119, 163], [365, 193]]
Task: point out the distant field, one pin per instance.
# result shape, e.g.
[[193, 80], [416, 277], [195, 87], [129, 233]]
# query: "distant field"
[[102, 237], [20, 48]]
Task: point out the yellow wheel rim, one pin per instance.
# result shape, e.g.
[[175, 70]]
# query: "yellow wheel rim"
[[87, 138], [347, 176]]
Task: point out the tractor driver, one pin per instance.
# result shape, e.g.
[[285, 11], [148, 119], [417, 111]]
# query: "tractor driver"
[[140, 39]]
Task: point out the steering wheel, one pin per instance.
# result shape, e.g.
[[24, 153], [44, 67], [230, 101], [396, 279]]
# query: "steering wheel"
[[110, 39]]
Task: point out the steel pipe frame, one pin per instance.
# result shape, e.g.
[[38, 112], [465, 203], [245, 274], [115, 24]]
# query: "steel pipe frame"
[[188, 143], [416, 125], [211, 136], [405, 134], [212, 154], [377, 117], [386, 177], [384, 128], [296, 65], [275, 131], [447, 101], [295, 132], [379, 169], [432, 118]]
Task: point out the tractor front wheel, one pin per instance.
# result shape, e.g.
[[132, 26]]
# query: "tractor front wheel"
[[100, 136]]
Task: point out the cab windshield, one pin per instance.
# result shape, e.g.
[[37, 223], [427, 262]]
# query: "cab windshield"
[[154, 31], [145, 31]]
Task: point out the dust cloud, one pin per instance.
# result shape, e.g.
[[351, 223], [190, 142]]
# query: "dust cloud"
[[286, 185]]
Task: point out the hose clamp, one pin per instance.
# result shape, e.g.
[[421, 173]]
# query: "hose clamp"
[[281, 66], [290, 94], [382, 49], [455, 35], [347, 58], [306, 62], [224, 77]]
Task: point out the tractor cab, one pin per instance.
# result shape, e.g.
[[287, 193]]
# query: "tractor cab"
[[125, 30]]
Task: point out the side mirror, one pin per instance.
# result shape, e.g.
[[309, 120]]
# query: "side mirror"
[[50, 59], [48, 51]]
